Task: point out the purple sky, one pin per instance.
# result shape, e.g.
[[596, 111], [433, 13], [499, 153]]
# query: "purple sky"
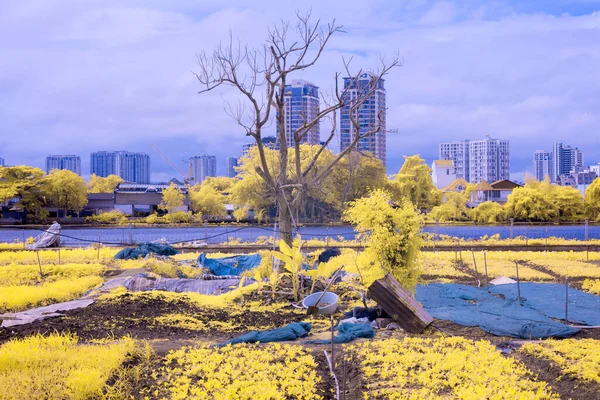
[[77, 76]]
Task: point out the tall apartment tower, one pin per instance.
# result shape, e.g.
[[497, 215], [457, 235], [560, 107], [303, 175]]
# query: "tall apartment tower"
[[131, 167], [2, 162], [478, 160], [203, 166], [71, 163], [542, 164], [370, 115], [232, 162], [458, 153], [301, 102], [564, 159]]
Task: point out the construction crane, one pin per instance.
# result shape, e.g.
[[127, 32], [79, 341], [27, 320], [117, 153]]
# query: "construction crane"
[[186, 179]]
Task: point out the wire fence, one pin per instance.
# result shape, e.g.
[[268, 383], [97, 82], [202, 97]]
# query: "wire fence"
[[223, 234]]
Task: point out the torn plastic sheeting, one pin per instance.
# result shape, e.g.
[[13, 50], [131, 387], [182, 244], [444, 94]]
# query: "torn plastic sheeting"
[[291, 331], [141, 283], [47, 238], [471, 306], [348, 332], [142, 250], [234, 265]]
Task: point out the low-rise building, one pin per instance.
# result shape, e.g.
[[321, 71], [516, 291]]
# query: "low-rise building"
[[497, 192], [139, 199], [443, 173]]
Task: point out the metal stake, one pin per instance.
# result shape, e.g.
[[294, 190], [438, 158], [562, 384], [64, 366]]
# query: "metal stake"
[[332, 355], [518, 283], [567, 298], [99, 244], [487, 279], [37, 252]]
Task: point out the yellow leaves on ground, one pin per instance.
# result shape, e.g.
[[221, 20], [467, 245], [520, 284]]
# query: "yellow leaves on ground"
[[242, 371], [21, 297], [576, 357], [56, 367], [416, 368]]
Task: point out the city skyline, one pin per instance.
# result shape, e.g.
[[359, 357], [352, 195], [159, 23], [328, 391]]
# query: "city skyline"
[[523, 71]]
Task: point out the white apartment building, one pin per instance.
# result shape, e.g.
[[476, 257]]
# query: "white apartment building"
[[301, 106], [478, 160], [542, 164], [70, 162], [203, 166]]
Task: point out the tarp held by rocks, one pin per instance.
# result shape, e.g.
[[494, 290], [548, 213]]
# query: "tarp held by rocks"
[[497, 310], [142, 250]]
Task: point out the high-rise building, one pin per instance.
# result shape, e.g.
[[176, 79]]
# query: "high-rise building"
[[458, 153], [232, 162], [70, 162], [131, 167], [301, 102], [542, 164], [564, 160], [370, 115], [203, 166], [478, 160], [2, 162]]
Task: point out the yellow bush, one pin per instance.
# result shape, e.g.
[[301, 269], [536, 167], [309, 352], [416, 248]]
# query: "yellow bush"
[[16, 298], [83, 255], [453, 367], [16, 274], [274, 371], [575, 357], [592, 286], [56, 367]]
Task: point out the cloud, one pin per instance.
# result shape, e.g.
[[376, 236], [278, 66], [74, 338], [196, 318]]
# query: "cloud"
[[81, 76]]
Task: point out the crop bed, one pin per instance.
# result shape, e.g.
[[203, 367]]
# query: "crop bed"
[[159, 345]]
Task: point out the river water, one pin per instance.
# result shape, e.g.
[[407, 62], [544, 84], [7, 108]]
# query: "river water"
[[221, 234]]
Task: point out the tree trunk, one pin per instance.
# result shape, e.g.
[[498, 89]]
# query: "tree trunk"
[[285, 221]]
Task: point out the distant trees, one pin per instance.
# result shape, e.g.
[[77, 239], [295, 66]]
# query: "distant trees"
[[489, 212], [592, 200], [66, 190], [206, 200], [414, 182], [28, 185], [454, 208], [172, 198], [99, 184]]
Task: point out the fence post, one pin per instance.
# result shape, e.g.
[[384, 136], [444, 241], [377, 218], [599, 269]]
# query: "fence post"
[[130, 233], [37, 252], [518, 283], [437, 226], [567, 298], [586, 230], [227, 234], [512, 223]]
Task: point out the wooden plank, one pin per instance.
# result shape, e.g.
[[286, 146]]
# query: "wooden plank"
[[400, 304]]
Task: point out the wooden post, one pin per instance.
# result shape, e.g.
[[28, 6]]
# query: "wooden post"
[[518, 283], [37, 252], [99, 240], [332, 344], [487, 279], [567, 298], [399, 304]]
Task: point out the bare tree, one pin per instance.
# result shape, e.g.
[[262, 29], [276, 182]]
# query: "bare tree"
[[260, 75]]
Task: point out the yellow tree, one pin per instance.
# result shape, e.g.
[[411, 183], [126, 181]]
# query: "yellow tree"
[[392, 234], [207, 201], [414, 182], [221, 184], [488, 212], [99, 184], [530, 204], [67, 190], [454, 208], [28, 186], [172, 198], [592, 200]]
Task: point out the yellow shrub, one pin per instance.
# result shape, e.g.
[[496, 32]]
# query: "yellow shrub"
[[56, 367], [15, 298], [576, 357], [274, 371], [592, 286], [83, 255], [16, 274], [453, 367]]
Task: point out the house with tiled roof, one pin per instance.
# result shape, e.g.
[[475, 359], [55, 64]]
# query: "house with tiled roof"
[[496, 191], [457, 185]]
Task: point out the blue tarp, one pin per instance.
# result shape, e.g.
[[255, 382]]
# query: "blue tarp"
[[142, 250], [498, 312], [234, 265], [347, 332], [291, 331]]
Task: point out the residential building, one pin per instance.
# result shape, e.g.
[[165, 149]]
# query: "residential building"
[[301, 102], [542, 164], [564, 160], [595, 168], [496, 191], [457, 185], [458, 153], [442, 173], [370, 115], [203, 166], [2, 162], [269, 142], [71, 163], [478, 160], [577, 178], [142, 199], [131, 167], [232, 163]]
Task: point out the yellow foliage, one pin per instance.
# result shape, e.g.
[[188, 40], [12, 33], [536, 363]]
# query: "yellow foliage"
[[579, 358], [444, 368], [274, 371], [15, 298], [592, 286], [17, 274], [82, 255], [56, 367]]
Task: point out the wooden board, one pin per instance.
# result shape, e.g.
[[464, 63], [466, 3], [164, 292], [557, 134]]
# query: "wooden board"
[[399, 304]]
